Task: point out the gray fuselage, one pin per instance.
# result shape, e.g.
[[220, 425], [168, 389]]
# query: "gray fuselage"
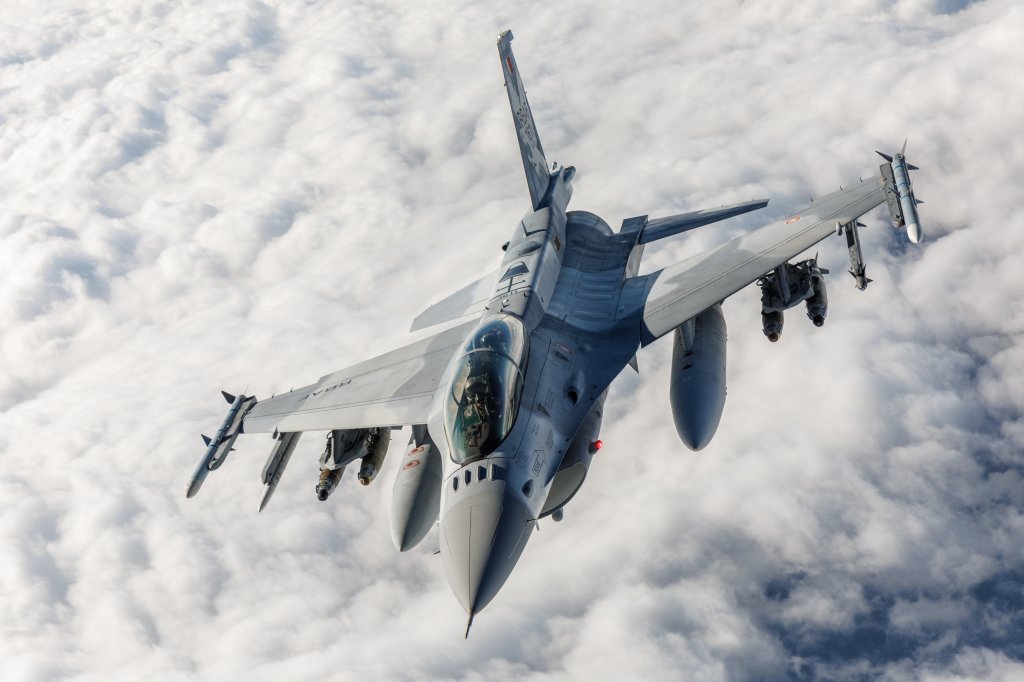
[[490, 503]]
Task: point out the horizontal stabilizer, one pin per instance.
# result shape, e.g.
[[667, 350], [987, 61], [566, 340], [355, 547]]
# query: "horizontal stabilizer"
[[660, 228], [469, 300]]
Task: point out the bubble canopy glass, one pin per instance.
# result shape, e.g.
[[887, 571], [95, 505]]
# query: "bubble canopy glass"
[[485, 389]]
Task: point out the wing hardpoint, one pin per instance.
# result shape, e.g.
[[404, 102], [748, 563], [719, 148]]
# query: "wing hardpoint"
[[536, 166], [390, 390], [669, 297]]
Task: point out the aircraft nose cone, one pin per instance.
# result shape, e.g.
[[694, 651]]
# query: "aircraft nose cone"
[[482, 537]]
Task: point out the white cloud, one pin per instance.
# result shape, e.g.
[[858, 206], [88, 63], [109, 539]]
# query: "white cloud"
[[207, 195]]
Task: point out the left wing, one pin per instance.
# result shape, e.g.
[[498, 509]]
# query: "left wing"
[[671, 296], [394, 389]]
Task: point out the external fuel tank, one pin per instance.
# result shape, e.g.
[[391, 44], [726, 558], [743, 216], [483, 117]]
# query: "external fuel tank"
[[416, 497], [698, 389]]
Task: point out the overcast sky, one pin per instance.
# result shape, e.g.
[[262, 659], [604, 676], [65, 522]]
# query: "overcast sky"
[[210, 195]]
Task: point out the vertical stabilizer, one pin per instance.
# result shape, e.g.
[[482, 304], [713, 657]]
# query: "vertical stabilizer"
[[536, 166]]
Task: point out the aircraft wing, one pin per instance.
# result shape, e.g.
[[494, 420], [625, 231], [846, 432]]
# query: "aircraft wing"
[[667, 298], [393, 389]]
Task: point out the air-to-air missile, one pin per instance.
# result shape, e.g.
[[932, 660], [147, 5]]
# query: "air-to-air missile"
[[218, 447], [857, 267], [904, 212], [284, 445]]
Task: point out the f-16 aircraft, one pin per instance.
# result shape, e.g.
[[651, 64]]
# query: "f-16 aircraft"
[[505, 402]]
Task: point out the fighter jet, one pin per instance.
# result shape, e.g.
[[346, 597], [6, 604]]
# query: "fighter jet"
[[505, 401]]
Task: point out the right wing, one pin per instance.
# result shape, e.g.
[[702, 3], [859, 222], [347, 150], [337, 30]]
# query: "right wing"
[[670, 296], [394, 389]]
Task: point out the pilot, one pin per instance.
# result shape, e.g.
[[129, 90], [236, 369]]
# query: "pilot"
[[475, 411], [492, 337]]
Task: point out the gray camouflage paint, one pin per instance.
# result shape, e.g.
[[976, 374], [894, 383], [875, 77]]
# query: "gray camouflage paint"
[[573, 282]]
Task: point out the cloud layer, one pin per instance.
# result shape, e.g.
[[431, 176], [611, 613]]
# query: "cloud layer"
[[214, 195]]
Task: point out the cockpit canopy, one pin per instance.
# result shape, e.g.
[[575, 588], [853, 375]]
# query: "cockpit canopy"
[[483, 398]]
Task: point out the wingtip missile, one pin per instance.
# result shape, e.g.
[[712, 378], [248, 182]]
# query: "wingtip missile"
[[196, 483], [903, 205], [218, 447]]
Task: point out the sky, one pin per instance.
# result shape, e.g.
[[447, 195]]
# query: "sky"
[[248, 195]]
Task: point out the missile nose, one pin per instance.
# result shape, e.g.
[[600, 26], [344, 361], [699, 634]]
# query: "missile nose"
[[321, 494], [914, 232], [197, 481], [773, 337], [818, 320], [482, 537]]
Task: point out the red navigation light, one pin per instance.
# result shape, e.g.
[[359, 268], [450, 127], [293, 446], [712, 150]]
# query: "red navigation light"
[[596, 445]]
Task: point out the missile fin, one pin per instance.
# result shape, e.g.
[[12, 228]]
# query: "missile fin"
[[228, 397], [911, 166], [206, 439], [884, 156]]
